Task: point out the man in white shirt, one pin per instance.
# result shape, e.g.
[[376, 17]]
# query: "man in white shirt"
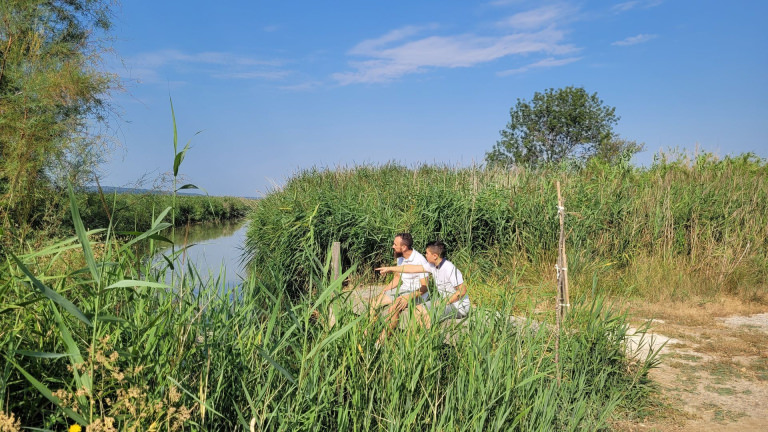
[[414, 285], [452, 300]]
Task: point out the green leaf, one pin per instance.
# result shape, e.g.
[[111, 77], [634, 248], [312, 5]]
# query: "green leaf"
[[112, 318], [151, 232], [83, 236], [175, 133], [276, 365], [178, 159], [75, 357], [45, 391], [187, 186], [51, 294], [160, 217], [205, 403], [335, 335], [39, 354]]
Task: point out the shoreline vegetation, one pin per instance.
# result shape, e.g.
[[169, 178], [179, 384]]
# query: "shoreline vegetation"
[[685, 226], [109, 345], [135, 212]]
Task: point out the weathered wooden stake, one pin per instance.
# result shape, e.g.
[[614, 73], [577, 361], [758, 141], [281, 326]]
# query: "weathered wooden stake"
[[335, 275], [335, 261], [562, 279], [562, 261]]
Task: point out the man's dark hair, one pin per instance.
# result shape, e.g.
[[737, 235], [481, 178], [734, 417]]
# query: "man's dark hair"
[[437, 247], [406, 239]]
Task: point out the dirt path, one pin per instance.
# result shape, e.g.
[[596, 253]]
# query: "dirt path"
[[713, 376]]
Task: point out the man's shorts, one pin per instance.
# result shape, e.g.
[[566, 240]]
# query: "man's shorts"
[[455, 310], [393, 294]]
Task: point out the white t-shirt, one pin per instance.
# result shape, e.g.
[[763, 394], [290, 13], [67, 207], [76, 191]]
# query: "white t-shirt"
[[447, 278], [410, 281]]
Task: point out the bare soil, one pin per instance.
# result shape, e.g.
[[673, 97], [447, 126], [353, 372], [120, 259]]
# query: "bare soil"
[[713, 374]]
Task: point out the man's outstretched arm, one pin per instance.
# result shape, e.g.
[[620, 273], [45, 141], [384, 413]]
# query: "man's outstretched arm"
[[406, 268]]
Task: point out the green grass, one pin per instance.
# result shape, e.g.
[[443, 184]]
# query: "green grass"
[[135, 212], [677, 229], [110, 343]]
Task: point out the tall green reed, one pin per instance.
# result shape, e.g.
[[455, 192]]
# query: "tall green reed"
[[219, 356], [704, 212]]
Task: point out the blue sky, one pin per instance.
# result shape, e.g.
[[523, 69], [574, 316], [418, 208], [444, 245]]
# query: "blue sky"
[[276, 87]]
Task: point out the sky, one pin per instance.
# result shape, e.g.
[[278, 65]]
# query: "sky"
[[262, 90]]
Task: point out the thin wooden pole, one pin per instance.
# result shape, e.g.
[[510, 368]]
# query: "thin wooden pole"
[[562, 279], [335, 275], [335, 261], [562, 259]]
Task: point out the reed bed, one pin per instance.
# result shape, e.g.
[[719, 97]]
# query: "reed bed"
[[700, 216], [135, 212], [112, 347]]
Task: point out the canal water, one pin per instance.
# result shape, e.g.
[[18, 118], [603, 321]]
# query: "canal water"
[[216, 248]]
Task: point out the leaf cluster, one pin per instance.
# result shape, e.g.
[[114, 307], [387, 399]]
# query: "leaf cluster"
[[558, 125], [52, 92]]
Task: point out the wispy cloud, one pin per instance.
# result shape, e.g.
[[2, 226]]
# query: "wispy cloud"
[[418, 49], [302, 87], [539, 18], [546, 63], [635, 4], [391, 57], [150, 67], [634, 40]]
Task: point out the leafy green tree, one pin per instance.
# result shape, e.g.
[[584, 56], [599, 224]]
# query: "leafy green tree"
[[52, 93], [566, 123]]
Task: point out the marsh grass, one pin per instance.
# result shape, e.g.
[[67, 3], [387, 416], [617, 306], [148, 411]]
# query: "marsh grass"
[[683, 227], [112, 347]]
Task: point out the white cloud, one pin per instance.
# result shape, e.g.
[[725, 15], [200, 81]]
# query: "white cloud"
[[538, 18], [367, 47], [305, 86], [149, 67], [634, 40], [416, 56], [634, 4], [546, 63]]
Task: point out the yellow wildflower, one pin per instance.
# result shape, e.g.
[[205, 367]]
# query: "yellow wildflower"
[[75, 428]]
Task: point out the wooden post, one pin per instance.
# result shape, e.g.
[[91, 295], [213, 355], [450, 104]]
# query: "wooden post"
[[562, 260], [335, 261], [562, 279], [335, 275]]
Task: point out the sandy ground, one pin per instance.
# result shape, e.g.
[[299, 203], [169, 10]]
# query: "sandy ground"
[[712, 378]]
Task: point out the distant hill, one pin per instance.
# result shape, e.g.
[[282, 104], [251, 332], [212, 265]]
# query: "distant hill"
[[134, 191], [138, 191]]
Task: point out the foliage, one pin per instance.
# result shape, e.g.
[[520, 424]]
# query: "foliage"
[[110, 346], [135, 212], [557, 125], [52, 93], [710, 214]]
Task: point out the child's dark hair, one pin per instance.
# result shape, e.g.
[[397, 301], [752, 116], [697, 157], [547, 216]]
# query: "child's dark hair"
[[437, 247], [406, 239]]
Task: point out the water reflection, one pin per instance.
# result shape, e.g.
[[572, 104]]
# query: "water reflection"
[[216, 247]]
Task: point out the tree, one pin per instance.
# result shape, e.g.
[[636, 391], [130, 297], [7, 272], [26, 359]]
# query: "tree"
[[52, 92], [560, 124]]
